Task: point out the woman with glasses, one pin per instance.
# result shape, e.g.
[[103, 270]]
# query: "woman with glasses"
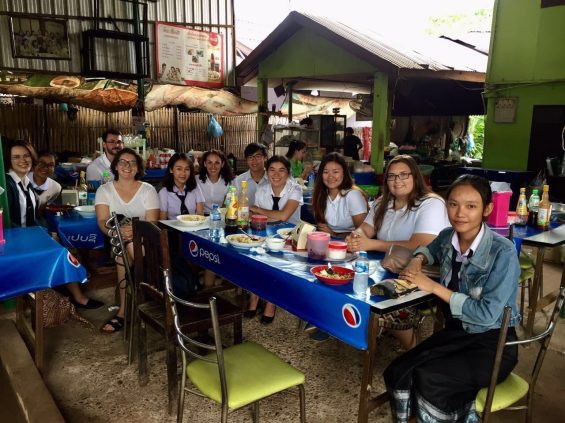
[[23, 205], [130, 197], [214, 178], [407, 214]]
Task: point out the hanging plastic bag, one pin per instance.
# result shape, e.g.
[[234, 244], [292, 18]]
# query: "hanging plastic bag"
[[214, 128], [267, 137]]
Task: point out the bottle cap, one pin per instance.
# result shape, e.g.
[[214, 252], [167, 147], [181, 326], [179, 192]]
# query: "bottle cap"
[[362, 253], [214, 206]]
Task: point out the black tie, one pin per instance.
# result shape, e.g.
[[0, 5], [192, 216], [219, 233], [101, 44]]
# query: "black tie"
[[183, 208], [276, 202], [455, 269], [39, 191], [30, 210]]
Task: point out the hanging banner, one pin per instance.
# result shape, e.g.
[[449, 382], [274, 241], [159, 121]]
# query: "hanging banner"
[[189, 57]]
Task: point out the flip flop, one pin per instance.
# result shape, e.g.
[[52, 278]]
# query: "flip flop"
[[117, 324], [91, 304]]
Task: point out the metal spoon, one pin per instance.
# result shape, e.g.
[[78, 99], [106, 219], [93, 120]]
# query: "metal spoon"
[[251, 237], [329, 270]]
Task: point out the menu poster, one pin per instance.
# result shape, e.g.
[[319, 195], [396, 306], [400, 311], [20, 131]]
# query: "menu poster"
[[189, 57]]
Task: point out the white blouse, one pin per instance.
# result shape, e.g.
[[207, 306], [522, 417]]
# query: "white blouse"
[[214, 193], [291, 191], [146, 198], [339, 212]]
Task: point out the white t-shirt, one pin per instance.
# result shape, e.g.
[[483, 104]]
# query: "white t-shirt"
[[146, 198], [252, 186], [339, 212], [47, 192], [214, 193], [430, 217], [96, 167], [291, 191]]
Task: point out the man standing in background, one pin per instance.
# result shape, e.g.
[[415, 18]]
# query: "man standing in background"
[[351, 144], [111, 143]]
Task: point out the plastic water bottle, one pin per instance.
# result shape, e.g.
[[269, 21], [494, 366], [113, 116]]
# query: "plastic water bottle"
[[361, 279], [215, 231], [311, 179]]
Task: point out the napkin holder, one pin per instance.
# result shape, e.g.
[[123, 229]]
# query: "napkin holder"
[[299, 235], [69, 196]]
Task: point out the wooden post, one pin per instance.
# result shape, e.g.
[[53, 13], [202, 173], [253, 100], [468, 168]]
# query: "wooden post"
[[380, 118]]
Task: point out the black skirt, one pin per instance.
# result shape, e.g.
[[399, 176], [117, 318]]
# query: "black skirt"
[[438, 380]]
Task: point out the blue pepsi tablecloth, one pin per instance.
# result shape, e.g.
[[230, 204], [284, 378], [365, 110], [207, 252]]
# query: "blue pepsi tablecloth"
[[76, 231], [290, 285], [31, 260]]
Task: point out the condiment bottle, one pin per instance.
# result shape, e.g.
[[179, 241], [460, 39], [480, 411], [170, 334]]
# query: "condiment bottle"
[[243, 207], [533, 205], [82, 190], [231, 212], [522, 209], [544, 209]]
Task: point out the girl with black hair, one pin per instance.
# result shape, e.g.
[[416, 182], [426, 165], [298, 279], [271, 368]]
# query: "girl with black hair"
[[295, 155], [438, 380], [180, 193], [214, 178]]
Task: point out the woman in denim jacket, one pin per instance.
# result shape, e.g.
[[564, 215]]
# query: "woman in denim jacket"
[[439, 379]]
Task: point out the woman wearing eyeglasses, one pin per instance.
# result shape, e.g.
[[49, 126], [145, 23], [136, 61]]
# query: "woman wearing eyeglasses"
[[407, 214], [130, 197]]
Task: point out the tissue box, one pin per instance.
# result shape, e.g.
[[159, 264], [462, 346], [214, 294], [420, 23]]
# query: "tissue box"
[[300, 236], [69, 196], [499, 214]]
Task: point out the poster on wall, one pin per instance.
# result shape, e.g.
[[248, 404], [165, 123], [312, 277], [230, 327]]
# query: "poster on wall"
[[189, 57]]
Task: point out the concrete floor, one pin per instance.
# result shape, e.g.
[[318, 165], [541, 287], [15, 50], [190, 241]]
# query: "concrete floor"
[[90, 380]]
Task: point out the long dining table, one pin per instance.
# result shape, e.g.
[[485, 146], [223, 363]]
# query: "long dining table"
[[285, 280]]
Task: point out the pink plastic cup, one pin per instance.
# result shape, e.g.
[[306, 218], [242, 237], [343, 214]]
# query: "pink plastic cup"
[[318, 245]]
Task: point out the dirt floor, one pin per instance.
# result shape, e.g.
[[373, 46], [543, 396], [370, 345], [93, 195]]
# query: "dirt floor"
[[88, 375]]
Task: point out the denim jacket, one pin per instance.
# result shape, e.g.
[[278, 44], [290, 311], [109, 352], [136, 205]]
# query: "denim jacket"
[[487, 282]]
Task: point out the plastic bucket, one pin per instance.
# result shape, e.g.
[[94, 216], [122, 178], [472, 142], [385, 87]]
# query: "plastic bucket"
[[499, 214]]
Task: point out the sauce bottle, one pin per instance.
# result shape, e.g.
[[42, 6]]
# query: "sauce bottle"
[[243, 207], [533, 205], [544, 209], [522, 209], [231, 212]]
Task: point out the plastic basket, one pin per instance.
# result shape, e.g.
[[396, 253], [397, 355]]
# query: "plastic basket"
[[371, 190]]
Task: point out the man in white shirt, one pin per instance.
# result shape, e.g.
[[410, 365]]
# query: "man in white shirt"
[[255, 156], [111, 143], [46, 188]]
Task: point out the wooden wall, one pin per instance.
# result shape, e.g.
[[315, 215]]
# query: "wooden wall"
[[46, 127]]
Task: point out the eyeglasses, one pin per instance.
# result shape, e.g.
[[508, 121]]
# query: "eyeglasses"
[[255, 157], [119, 142], [127, 163], [46, 165], [391, 177], [21, 157]]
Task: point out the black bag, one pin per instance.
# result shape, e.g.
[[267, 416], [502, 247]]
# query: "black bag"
[[184, 279]]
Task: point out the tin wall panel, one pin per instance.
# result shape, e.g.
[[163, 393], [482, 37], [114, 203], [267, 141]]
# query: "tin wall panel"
[[216, 15]]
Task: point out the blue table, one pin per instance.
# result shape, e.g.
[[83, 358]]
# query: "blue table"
[[31, 261], [290, 285], [76, 231]]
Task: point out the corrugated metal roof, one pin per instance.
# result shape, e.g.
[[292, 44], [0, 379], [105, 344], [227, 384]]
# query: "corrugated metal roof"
[[420, 53]]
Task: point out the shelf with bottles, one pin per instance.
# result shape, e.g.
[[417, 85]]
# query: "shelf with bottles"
[[283, 135], [332, 130]]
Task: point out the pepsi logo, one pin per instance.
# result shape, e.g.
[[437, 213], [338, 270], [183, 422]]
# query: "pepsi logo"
[[72, 259], [193, 248], [351, 315]]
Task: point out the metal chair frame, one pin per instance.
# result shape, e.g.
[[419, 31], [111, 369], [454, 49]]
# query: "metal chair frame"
[[218, 360], [119, 250], [544, 338]]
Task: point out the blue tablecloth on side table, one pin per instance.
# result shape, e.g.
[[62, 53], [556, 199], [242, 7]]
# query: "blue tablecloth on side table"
[[31, 260], [76, 231]]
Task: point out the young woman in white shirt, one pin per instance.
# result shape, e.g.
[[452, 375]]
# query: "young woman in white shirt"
[[214, 178], [407, 214], [130, 197], [279, 200], [339, 205]]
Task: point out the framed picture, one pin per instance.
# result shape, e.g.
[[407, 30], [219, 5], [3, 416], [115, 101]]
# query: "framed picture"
[[39, 38]]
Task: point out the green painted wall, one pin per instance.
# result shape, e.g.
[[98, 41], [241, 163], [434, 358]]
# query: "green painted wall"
[[527, 61], [307, 54]]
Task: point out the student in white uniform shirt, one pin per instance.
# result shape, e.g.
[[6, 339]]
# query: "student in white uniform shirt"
[[214, 178], [407, 214], [255, 156], [111, 143], [47, 189], [279, 200], [339, 205]]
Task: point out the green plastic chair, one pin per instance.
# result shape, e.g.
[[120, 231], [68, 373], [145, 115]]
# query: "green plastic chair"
[[233, 377], [514, 388]]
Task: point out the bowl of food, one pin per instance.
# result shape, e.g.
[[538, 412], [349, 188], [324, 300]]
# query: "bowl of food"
[[245, 241], [284, 232], [336, 275], [275, 243], [191, 219], [86, 211]]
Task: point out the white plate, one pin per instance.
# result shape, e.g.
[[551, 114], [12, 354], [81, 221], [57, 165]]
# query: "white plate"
[[200, 219], [86, 211], [284, 232], [235, 241]]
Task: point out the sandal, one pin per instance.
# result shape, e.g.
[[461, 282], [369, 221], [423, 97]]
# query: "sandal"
[[117, 324]]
